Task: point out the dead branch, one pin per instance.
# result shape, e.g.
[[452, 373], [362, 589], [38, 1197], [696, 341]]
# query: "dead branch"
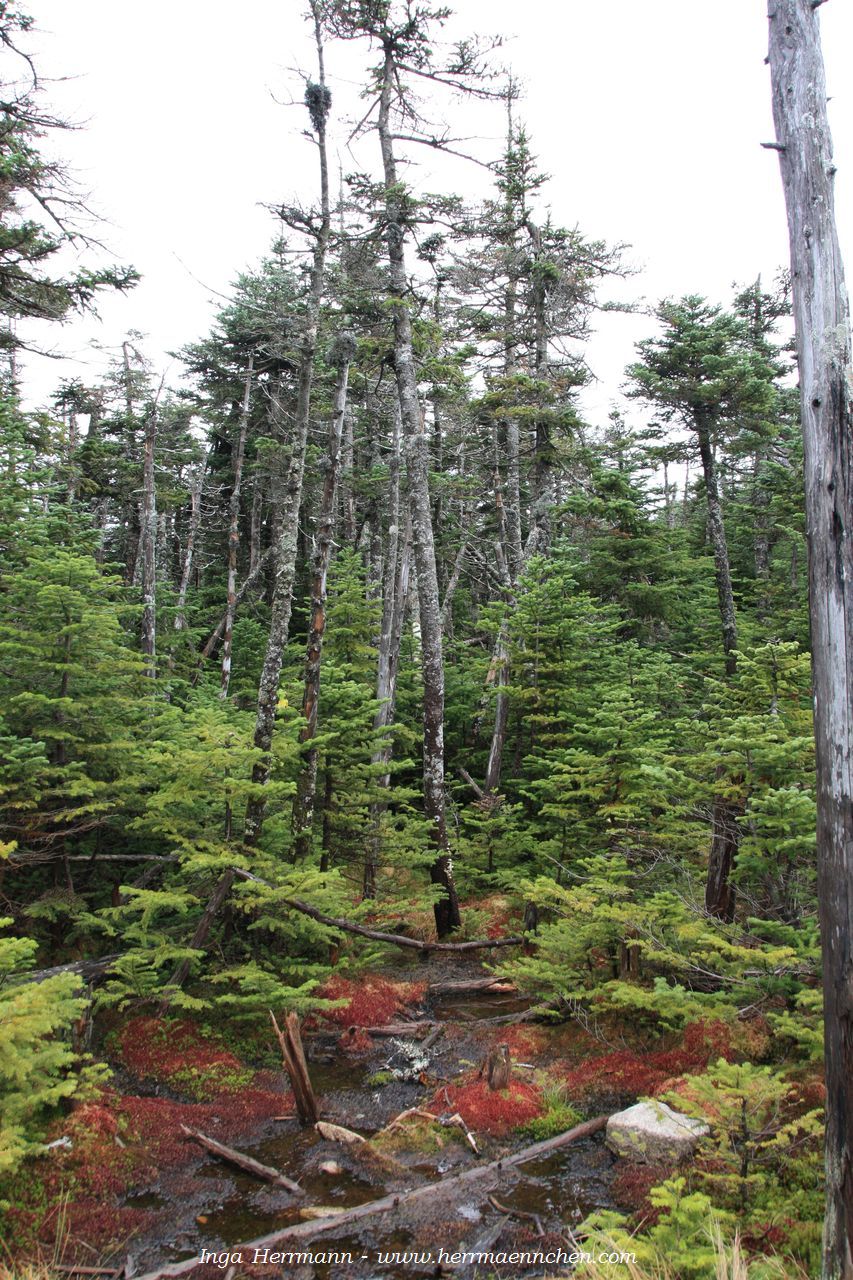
[[242, 1161]]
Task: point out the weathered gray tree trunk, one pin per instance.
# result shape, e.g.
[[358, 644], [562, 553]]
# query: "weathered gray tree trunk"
[[255, 521], [394, 601], [761, 544], [286, 522], [148, 541], [306, 787], [824, 358], [196, 486], [417, 471], [234, 535]]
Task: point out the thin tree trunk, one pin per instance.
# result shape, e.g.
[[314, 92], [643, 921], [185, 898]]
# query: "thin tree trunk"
[[717, 531], [234, 535], [394, 601], [347, 465], [148, 545], [189, 551], [216, 634], [255, 527], [286, 530], [824, 358], [725, 829], [417, 471], [306, 787], [761, 534]]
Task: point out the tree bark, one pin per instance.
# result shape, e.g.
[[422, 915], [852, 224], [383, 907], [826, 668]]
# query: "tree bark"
[[417, 472], [394, 601], [306, 787], [286, 530], [725, 831], [189, 551], [234, 535], [148, 538], [824, 357]]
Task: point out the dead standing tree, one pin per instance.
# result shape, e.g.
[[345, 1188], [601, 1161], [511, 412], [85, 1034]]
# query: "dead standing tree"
[[318, 99], [404, 38], [340, 357], [824, 357]]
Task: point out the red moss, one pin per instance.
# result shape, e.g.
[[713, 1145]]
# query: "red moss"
[[370, 1001], [489, 1111], [524, 1042], [118, 1143], [180, 1055], [631, 1186], [155, 1122], [625, 1072]]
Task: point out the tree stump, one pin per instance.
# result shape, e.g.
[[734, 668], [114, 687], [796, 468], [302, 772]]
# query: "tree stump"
[[293, 1056], [499, 1068]]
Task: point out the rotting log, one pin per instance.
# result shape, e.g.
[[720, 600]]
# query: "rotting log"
[[297, 1068], [487, 1174], [410, 1029], [468, 986], [337, 1133], [238, 1158], [88, 970]]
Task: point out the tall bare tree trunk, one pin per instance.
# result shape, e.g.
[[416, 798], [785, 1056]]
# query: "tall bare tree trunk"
[[306, 789], [417, 472], [148, 540], [196, 486], [234, 535], [286, 522], [824, 358], [395, 596], [255, 527]]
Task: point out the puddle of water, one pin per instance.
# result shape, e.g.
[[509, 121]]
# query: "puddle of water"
[[568, 1185]]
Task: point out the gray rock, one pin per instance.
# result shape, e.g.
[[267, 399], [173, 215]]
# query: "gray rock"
[[652, 1133]]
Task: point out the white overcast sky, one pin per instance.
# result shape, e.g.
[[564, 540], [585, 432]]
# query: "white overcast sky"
[[648, 114]]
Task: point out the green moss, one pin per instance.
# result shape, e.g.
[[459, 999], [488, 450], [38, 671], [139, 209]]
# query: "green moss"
[[379, 1078]]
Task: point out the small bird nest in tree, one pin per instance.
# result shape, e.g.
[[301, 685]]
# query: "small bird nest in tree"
[[342, 349], [318, 100]]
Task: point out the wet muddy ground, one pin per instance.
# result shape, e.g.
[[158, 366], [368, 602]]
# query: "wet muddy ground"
[[211, 1206]]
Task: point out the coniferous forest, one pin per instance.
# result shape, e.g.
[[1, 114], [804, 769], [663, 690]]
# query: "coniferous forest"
[[415, 854]]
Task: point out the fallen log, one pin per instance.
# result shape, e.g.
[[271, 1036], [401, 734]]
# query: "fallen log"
[[464, 986], [70, 1268], [88, 970], [378, 935], [490, 1174], [399, 1028], [242, 1161], [296, 1067], [337, 1133]]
